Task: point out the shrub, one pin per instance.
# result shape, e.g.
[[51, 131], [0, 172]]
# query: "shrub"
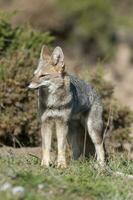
[[20, 48]]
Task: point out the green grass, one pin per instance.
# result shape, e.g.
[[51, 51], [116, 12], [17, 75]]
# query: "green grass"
[[79, 181]]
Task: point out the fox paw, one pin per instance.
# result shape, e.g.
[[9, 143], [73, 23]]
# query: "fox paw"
[[61, 165], [100, 165], [45, 163]]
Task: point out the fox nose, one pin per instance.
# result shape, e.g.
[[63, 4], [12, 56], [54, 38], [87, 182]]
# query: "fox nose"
[[34, 83], [30, 85]]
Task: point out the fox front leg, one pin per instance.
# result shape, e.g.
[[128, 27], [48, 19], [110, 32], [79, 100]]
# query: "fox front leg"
[[61, 132], [46, 132]]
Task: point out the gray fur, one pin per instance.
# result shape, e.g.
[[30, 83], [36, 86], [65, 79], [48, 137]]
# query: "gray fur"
[[71, 105]]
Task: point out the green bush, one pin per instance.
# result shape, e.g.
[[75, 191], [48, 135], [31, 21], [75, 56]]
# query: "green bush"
[[20, 48], [21, 38]]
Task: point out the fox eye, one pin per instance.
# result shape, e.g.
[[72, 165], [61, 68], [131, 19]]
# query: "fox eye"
[[43, 75]]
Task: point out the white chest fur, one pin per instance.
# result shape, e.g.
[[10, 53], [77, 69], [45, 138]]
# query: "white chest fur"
[[56, 114]]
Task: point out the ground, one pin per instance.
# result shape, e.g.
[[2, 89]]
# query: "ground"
[[21, 167]]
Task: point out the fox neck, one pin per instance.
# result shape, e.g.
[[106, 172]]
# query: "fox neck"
[[58, 93]]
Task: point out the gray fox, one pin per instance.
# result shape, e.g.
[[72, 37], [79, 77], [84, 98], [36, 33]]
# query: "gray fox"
[[69, 105]]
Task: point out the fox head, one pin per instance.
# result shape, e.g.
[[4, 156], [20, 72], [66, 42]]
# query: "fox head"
[[50, 68]]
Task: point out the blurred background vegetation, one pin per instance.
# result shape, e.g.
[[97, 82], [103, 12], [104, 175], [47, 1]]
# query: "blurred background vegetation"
[[97, 40]]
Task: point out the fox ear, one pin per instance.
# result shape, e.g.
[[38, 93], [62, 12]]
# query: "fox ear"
[[58, 56], [45, 53]]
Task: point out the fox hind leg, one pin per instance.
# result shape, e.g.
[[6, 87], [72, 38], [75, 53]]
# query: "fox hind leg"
[[94, 126], [75, 138]]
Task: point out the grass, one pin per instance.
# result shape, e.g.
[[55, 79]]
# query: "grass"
[[79, 181]]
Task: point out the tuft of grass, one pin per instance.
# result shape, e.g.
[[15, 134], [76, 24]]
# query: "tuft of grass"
[[79, 181]]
